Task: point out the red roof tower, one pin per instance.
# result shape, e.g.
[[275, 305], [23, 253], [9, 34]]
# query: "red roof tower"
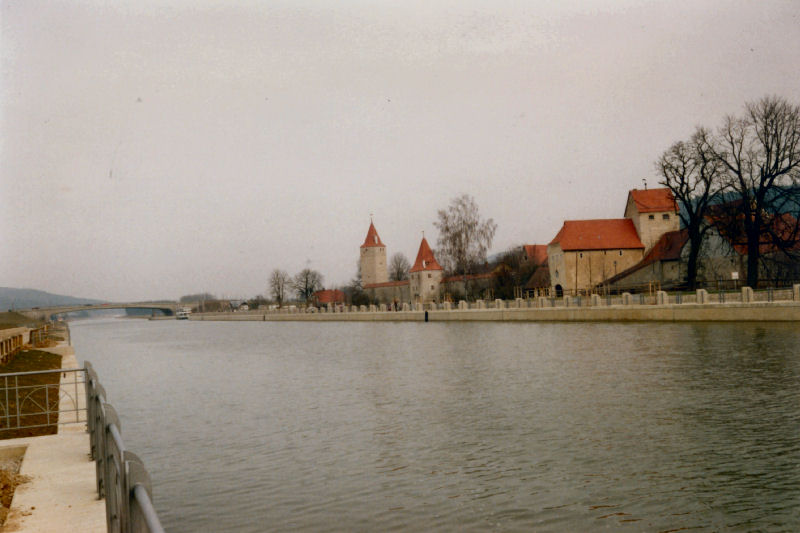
[[373, 239], [425, 259]]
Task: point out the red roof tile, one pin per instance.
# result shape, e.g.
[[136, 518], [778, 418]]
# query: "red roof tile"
[[778, 233], [425, 259], [668, 247], [329, 296], [603, 234], [654, 200], [536, 253], [372, 237]]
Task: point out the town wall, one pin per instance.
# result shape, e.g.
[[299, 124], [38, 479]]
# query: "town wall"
[[788, 311], [390, 294]]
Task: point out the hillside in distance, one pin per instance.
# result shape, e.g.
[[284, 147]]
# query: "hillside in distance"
[[11, 299]]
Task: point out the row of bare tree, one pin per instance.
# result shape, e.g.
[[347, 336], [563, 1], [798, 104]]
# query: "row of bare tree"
[[304, 284], [743, 179]]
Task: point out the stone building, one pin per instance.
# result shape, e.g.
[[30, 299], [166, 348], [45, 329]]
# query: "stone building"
[[373, 258], [654, 212], [662, 267], [586, 253], [425, 276]]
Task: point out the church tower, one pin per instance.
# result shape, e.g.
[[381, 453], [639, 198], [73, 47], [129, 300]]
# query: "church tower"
[[425, 276], [373, 258]]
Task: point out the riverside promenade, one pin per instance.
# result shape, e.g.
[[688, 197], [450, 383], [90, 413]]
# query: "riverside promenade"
[[61, 493], [741, 306]]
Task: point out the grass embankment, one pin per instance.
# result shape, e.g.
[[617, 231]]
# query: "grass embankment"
[[32, 395], [10, 319]]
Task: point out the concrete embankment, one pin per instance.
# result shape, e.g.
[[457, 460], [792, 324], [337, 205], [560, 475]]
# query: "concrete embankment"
[[60, 494], [710, 312]]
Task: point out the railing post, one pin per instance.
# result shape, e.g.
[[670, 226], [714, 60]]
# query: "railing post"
[[747, 294]]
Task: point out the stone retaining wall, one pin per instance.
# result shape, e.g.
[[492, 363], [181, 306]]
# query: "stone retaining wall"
[[710, 312]]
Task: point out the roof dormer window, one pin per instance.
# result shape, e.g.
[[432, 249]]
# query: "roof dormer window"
[[375, 238], [423, 264]]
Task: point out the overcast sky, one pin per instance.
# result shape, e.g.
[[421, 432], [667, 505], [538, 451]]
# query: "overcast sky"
[[154, 149]]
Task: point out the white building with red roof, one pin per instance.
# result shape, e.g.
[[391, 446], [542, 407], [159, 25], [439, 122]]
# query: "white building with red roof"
[[654, 212], [586, 253], [425, 276]]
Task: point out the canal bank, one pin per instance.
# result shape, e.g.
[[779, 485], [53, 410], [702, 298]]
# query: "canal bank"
[[787, 311], [60, 492]]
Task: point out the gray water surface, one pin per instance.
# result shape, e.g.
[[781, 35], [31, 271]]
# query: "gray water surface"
[[259, 426]]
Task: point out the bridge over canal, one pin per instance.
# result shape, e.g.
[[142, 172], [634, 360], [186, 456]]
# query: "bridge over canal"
[[168, 308]]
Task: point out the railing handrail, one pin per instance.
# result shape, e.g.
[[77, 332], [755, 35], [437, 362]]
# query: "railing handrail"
[[35, 372], [121, 475]]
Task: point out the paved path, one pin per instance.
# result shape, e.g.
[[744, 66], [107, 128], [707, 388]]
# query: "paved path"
[[61, 495]]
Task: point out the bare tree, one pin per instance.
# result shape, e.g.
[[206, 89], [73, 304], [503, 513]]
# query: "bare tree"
[[354, 291], [464, 238], [306, 283], [693, 173], [398, 267], [279, 282], [761, 154]]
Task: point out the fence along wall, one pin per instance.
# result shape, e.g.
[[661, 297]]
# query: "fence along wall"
[[746, 305]]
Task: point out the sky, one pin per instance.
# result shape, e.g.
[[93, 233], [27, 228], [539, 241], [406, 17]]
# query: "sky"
[[150, 150]]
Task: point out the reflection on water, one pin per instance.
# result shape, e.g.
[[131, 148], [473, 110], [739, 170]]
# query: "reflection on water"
[[515, 427]]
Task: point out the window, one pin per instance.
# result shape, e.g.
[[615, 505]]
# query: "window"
[[429, 274], [652, 217], [431, 287], [556, 274], [665, 216], [620, 252], [581, 254]]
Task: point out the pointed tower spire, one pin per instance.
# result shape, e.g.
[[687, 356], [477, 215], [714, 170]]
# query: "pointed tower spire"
[[425, 259], [373, 239]]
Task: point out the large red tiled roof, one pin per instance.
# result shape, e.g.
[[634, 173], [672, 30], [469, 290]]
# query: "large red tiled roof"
[[536, 253], [603, 234], [386, 284], [654, 200], [372, 237], [425, 259]]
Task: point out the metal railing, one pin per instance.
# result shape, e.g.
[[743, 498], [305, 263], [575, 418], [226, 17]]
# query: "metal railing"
[[26, 404], [121, 476]]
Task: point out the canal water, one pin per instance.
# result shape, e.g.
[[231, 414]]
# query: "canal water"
[[259, 426]]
